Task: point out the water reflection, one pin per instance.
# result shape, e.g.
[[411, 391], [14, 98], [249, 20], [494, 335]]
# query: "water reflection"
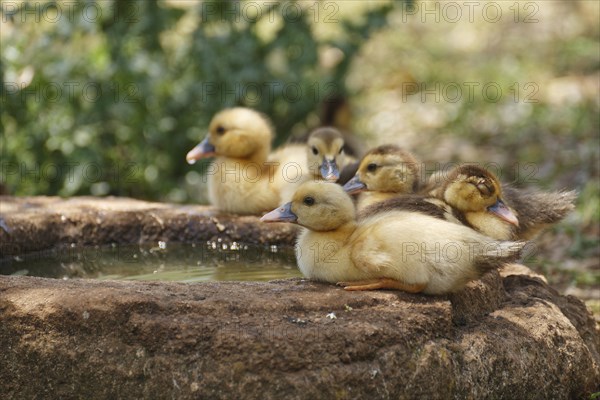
[[212, 261]]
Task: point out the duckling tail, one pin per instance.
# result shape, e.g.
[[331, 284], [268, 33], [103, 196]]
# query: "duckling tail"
[[537, 209], [554, 206], [496, 254]]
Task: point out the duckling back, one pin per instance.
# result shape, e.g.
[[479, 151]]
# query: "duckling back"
[[419, 249], [412, 203], [291, 170]]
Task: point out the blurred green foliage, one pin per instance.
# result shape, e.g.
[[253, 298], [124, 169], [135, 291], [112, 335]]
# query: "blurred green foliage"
[[107, 97]]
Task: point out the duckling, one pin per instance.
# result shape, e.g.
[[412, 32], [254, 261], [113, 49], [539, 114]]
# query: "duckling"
[[335, 113], [497, 210], [477, 196], [384, 172], [326, 153], [395, 249], [244, 178]]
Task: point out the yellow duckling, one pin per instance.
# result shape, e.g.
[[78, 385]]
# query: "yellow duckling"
[[244, 178], [395, 249], [383, 173], [498, 211], [326, 154]]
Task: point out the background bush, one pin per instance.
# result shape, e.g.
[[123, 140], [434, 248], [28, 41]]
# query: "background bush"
[[107, 97]]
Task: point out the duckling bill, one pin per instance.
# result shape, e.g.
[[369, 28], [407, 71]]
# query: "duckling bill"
[[354, 185], [390, 249], [501, 210], [281, 214], [202, 150]]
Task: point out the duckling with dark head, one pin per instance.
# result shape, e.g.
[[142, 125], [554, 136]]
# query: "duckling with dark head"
[[477, 195], [497, 210]]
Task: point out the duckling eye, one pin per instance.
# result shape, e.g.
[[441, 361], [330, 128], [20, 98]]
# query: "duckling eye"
[[220, 130], [309, 201], [341, 150], [485, 189], [371, 167], [315, 151]]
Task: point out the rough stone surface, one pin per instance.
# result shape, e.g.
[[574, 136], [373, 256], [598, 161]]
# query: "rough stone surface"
[[507, 336], [38, 223], [90, 339]]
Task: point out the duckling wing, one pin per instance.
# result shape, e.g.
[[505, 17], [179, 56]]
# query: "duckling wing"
[[377, 251], [410, 203], [419, 249], [371, 255], [437, 208]]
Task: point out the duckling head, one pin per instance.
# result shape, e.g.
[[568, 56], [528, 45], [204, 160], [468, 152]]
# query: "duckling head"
[[317, 205], [235, 133], [470, 188], [326, 153], [386, 168]]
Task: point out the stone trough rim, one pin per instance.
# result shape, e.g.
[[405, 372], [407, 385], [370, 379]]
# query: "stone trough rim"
[[154, 322]]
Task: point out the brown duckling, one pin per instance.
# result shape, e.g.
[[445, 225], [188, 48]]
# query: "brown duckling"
[[500, 211], [383, 173], [394, 249], [477, 196]]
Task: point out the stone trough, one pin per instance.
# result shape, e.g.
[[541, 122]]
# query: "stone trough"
[[508, 336]]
